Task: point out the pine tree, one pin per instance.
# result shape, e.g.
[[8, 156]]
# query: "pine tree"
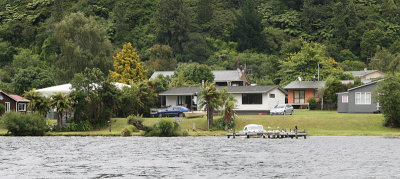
[[127, 65]]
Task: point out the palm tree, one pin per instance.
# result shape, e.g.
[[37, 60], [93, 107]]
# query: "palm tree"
[[63, 104], [228, 105], [210, 98], [38, 103]]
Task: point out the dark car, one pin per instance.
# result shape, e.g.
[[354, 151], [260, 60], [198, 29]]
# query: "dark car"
[[172, 111]]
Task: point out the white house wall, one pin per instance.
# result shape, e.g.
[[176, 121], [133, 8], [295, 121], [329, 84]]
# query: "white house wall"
[[267, 103], [171, 100], [272, 102]]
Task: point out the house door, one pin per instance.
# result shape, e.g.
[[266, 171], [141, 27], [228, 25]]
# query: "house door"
[[299, 97], [7, 104]]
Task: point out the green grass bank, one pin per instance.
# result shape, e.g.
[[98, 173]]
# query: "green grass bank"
[[325, 123]]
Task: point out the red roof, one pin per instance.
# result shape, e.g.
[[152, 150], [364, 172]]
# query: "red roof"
[[18, 98], [15, 97]]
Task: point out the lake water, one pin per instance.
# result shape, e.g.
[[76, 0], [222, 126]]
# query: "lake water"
[[199, 157]]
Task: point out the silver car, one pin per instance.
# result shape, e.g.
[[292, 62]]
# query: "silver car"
[[282, 109]]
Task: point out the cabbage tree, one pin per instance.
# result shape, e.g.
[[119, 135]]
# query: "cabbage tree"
[[210, 98]]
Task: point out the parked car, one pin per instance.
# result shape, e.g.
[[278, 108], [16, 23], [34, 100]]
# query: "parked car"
[[282, 109], [172, 111]]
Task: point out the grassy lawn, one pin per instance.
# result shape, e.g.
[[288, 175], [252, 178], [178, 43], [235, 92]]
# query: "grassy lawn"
[[316, 123]]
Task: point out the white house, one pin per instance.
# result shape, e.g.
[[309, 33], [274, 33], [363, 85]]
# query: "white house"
[[66, 89], [250, 99]]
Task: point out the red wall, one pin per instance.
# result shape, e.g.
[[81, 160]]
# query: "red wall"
[[307, 92]]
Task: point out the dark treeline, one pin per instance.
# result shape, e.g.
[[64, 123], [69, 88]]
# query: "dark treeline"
[[45, 42]]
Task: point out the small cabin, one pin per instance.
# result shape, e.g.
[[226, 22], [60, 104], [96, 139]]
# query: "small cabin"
[[13, 102]]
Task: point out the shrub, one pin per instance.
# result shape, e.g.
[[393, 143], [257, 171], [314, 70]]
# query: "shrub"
[[84, 125], [19, 124], [125, 132], [132, 128], [2, 109], [387, 93], [312, 103], [164, 128], [220, 124], [137, 121]]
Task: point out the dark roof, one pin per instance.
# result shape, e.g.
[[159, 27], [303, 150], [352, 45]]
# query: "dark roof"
[[227, 75], [365, 85], [219, 75], [305, 85], [187, 91], [361, 73]]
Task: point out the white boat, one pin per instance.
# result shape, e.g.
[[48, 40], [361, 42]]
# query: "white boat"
[[253, 128], [193, 114]]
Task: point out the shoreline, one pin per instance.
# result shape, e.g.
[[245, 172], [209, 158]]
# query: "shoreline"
[[317, 123]]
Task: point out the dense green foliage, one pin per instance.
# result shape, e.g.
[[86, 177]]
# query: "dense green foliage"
[[19, 124], [2, 109], [38, 103], [164, 128], [192, 74], [43, 42], [95, 97], [126, 132], [388, 95], [136, 121], [221, 124]]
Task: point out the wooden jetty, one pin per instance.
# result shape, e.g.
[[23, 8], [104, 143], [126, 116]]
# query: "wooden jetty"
[[274, 134]]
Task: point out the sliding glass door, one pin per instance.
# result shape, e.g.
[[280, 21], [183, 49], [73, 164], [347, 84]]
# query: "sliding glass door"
[[299, 97]]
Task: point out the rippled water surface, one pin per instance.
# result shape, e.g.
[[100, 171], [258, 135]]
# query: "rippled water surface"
[[199, 157]]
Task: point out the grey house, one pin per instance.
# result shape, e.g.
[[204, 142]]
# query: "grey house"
[[358, 99]]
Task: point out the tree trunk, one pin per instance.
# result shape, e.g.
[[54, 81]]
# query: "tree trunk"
[[209, 117], [322, 103], [59, 121]]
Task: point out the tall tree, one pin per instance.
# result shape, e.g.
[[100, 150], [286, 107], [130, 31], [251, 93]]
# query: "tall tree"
[[305, 63], [247, 30], [29, 78], [63, 104], [228, 105], [194, 73], [387, 93], [83, 43], [161, 58], [210, 98], [38, 103], [172, 24], [128, 67]]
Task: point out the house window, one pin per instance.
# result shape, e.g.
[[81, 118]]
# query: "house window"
[[181, 100], [363, 98], [271, 95], [251, 98], [299, 97], [8, 106], [21, 107], [316, 93], [345, 99]]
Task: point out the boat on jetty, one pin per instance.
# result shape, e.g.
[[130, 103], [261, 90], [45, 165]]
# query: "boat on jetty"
[[193, 114], [254, 130]]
